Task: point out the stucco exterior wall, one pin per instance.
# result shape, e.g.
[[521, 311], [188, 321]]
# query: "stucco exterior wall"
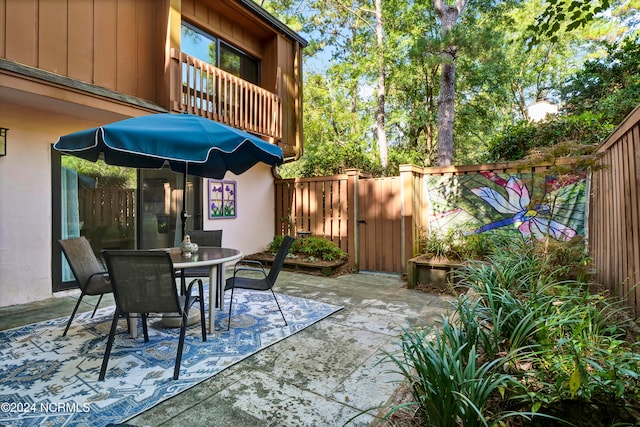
[[25, 202], [252, 230]]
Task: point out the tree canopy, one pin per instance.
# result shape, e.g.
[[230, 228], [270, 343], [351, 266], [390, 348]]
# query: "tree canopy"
[[502, 66], [595, 99]]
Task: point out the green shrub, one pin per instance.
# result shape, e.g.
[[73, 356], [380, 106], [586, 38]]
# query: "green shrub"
[[450, 383], [311, 248], [530, 337], [455, 245]]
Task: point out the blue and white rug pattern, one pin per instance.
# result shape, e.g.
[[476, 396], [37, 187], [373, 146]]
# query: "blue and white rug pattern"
[[48, 379]]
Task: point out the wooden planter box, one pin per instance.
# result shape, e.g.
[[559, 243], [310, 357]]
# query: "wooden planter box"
[[424, 271], [322, 268]]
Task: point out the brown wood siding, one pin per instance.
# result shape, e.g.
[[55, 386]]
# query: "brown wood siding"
[[54, 45], [279, 56], [149, 50], [113, 44], [21, 31], [614, 220], [269, 66], [289, 92], [3, 34], [81, 40], [105, 45], [228, 23], [121, 45], [126, 64]]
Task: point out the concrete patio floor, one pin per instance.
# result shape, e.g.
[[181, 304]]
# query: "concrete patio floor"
[[325, 375]]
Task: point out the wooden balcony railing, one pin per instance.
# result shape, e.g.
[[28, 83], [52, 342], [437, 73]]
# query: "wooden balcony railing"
[[204, 90]]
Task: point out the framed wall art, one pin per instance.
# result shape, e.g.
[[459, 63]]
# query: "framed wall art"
[[222, 199]]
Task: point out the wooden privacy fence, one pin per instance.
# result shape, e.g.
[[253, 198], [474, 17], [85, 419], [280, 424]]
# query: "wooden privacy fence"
[[105, 206], [614, 217], [321, 205], [377, 221], [335, 208]]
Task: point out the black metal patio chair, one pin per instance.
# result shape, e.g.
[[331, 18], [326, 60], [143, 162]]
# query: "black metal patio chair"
[[212, 238], [144, 283], [89, 273], [264, 283]]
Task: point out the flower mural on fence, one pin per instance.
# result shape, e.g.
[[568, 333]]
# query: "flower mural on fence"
[[530, 221], [222, 199], [498, 201]]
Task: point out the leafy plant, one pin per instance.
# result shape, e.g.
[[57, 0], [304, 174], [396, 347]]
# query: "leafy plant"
[[527, 336], [454, 245], [311, 248], [450, 383], [517, 140]]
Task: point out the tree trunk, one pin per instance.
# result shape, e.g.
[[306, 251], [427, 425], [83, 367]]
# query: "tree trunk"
[[448, 15], [446, 102], [380, 114]]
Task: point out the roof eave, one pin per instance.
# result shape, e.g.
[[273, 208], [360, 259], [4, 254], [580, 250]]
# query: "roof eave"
[[264, 14]]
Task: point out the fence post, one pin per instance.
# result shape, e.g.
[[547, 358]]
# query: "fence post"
[[352, 219], [411, 197]]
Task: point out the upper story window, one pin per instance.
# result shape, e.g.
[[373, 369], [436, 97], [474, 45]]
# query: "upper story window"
[[216, 52]]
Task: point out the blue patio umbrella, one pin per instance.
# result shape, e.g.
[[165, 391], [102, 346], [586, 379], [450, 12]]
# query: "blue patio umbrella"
[[188, 144]]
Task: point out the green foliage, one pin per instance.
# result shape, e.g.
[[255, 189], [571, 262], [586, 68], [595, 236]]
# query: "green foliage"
[[597, 99], [311, 248], [450, 383], [566, 16], [519, 139], [561, 17], [454, 245], [542, 344], [497, 75], [570, 258], [105, 175], [607, 87]]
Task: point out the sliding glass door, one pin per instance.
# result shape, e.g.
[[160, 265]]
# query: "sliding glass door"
[[94, 200], [161, 205], [116, 208]]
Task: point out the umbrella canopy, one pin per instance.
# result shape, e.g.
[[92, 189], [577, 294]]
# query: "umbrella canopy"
[[188, 144], [209, 149]]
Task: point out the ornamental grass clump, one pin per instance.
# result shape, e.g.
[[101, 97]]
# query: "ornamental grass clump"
[[528, 344], [450, 383]]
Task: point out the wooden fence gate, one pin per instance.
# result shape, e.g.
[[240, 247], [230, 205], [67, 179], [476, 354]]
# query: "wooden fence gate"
[[379, 224], [364, 216]]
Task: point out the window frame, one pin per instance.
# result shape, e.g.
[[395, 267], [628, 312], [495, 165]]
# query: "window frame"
[[223, 44]]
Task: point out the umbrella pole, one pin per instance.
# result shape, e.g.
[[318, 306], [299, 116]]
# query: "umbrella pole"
[[184, 215]]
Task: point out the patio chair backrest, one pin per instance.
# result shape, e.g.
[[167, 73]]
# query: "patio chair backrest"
[[143, 281], [82, 260], [211, 238], [278, 261]]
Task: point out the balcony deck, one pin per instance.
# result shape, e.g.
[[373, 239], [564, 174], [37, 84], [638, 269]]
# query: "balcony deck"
[[200, 88]]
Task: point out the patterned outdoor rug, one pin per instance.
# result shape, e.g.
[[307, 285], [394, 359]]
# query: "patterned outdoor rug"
[[47, 379]]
